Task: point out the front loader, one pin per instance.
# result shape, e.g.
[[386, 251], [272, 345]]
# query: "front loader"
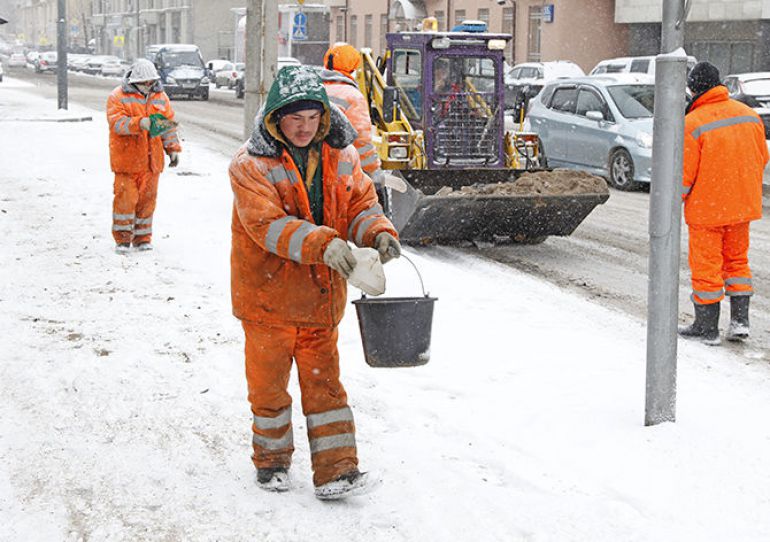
[[437, 105]]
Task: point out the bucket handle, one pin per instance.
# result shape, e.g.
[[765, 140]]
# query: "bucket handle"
[[422, 284]]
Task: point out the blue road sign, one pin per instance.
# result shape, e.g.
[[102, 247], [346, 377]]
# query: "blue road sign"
[[299, 28], [548, 10]]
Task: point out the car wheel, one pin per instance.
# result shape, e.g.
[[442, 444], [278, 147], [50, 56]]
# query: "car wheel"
[[216, 84], [622, 170], [541, 158], [205, 95]]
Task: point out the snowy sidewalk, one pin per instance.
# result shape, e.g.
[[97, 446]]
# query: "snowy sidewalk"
[[124, 412]]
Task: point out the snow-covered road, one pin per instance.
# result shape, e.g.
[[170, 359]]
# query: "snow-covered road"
[[124, 417]]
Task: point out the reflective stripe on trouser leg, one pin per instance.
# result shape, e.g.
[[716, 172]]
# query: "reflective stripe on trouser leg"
[[735, 252], [705, 257], [268, 364], [330, 425], [126, 195], [145, 207]]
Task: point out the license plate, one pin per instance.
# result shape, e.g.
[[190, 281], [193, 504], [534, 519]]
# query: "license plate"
[[189, 85]]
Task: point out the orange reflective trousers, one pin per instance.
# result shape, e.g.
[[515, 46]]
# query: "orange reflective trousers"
[[330, 428], [719, 262], [133, 206]]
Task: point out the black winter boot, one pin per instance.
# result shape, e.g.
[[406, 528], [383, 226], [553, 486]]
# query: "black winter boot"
[[739, 318], [273, 479], [706, 324]]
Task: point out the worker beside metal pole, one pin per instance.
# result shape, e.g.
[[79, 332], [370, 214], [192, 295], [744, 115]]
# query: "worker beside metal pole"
[[665, 217], [61, 48], [261, 57]]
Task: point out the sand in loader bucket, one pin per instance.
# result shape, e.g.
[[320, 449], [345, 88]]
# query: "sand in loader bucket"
[[559, 182]]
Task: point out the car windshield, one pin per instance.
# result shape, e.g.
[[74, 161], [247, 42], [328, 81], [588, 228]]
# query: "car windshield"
[[172, 59], [756, 87], [633, 101]]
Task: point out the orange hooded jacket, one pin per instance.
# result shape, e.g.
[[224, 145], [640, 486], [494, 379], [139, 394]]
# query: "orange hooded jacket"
[[277, 272], [132, 150], [724, 157], [344, 93]]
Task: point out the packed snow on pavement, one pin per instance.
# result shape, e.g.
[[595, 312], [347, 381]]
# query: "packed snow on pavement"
[[124, 412]]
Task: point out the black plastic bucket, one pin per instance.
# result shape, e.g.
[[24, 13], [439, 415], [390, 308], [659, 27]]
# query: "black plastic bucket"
[[395, 331]]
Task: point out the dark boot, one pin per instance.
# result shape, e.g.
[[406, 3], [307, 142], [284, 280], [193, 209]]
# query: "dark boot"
[[706, 324], [273, 479], [739, 318]]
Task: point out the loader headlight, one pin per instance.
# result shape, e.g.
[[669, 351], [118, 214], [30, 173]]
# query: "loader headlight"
[[644, 140], [397, 153], [496, 45], [441, 43]]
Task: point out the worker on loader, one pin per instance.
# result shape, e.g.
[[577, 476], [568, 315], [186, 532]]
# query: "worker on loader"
[[724, 157], [142, 127], [299, 195], [340, 61]]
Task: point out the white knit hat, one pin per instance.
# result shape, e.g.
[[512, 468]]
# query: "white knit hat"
[[143, 70]]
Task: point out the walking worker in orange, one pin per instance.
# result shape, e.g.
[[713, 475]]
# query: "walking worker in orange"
[[724, 157], [340, 61], [299, 196], [142, 127]]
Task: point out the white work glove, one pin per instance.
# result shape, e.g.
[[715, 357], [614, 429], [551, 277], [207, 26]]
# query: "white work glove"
[[144, 124], [388, 247], [339, 257], [173, 159]]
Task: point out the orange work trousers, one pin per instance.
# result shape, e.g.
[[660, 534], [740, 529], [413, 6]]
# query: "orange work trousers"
[[719, 262], [331, 432], [133, 206]]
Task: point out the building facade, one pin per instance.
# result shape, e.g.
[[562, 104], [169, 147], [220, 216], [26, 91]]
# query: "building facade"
[[34, 23], [734, 35], [578, 30]]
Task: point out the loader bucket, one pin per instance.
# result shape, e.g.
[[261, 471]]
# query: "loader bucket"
[[424, 217]]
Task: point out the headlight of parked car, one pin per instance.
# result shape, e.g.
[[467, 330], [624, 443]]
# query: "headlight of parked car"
[[170, 81], [644, 140]]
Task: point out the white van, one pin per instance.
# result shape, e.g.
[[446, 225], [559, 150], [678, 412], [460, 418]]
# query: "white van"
[[633, 64]]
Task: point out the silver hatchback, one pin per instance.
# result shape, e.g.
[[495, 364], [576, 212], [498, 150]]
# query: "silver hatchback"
[[601, 124]]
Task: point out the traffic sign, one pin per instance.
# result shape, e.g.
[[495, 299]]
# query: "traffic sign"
[[299, 28]]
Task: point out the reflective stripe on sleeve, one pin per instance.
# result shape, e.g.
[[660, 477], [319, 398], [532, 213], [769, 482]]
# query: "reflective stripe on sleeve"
[[369, 160], [283, 419], [723, 123], [281, 443], [274, 232], [344, 168], [376, 209], [339, 102], [297, 239], [362, 230], [343, 414], [366, 148], [279, 173], [158, 102], [343, 440]]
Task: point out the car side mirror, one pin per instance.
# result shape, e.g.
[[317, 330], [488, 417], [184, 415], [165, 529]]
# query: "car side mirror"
[[595, 115], [390, 100]]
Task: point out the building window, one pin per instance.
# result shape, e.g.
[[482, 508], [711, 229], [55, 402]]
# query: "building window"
[[508, 22], [340, 30], [535, 21], [383, 33], [484, 16], [368, 31], [728, 57], [440, 20], [353, 38], [459, 16]]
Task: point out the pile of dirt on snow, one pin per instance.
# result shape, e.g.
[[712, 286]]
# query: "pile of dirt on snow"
[[559, 182]]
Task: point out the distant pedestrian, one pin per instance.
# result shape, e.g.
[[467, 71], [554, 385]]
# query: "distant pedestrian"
[[299, 196], [725, 154], [142, 128]]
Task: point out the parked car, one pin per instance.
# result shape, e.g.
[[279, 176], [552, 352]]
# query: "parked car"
[[633, 64], [17, 60], [753, 89], [600, 124], [181, 69], [217, 64], [76, 62], [46, 62], [524, 81], [227, 75], [240, 90], [93, 65], [113, 67], [32, 56]]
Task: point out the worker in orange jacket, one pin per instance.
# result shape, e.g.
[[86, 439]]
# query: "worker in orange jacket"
[[340, 61], [300, 196], [137, 145], [725, 154]]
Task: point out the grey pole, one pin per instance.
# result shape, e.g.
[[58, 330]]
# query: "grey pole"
[[665, 219], [61, 53], [261, 57]]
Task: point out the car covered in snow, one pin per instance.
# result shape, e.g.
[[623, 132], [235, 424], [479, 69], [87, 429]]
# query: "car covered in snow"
[[524, 81], [93, 65], [17, 60], [753, 89], [632, 64], [46, 62], [240, 90], [113, 67], [599, 124]]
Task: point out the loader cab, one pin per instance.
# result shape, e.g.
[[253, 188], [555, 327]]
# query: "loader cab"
[[450, 86]]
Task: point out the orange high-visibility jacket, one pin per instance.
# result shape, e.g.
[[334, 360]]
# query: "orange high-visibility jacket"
[[132, 150], [277, 272], [344, 93], [725, 154]]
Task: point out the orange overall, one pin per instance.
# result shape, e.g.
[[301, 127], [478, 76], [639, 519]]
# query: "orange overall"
[[290, 303], [136, 159], [724, 157]]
